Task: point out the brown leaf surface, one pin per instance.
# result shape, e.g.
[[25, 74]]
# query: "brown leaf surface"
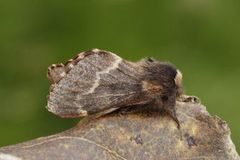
[[135, 136]]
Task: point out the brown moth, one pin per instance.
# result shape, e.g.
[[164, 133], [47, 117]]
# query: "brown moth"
[[99, 82]]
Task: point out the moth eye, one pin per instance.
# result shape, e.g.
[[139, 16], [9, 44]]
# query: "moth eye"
[[164, 98]]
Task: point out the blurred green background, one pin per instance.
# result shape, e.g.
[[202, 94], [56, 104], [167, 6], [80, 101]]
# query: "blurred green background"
[[202, 37]]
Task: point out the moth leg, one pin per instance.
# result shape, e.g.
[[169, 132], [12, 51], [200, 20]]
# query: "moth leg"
[[168, 105], [171, 111], [187, 98]]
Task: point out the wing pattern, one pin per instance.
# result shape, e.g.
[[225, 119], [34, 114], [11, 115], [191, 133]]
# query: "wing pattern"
[[98, 82]]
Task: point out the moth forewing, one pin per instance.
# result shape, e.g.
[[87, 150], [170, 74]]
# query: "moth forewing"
[[99, 81], [56, 72]]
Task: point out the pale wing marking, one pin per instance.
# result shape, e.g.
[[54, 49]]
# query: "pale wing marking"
[[115, 65]]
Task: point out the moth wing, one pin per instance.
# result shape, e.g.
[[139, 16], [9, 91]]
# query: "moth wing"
[[100, 81]]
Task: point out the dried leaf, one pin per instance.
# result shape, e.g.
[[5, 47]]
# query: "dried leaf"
[[136, 136]]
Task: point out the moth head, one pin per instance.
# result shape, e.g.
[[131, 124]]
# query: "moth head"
[[165, 74], [178, 82]]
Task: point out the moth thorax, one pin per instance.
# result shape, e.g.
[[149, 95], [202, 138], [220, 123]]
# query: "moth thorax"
[[151, 87]]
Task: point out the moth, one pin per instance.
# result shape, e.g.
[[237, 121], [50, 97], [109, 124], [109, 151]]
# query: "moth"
[[100, 82]]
